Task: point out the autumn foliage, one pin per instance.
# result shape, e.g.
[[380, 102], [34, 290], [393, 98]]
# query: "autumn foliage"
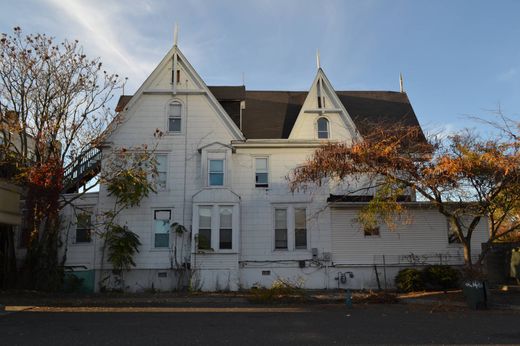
[[465, 177]]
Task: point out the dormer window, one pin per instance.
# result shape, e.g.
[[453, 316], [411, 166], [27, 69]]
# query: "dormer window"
[[175, 117], [216, 172], [323, 128]]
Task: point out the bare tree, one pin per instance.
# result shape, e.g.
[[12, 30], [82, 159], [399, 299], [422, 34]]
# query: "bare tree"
[[53, 104]]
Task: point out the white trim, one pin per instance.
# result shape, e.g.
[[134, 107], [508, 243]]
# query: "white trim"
[[153, 248], [183, 117], [268, 168]]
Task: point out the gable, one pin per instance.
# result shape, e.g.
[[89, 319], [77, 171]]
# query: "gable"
[[174, 77], [322, 102]]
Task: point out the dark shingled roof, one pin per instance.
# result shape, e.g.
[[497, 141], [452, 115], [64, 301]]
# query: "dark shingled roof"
[[272, 114]]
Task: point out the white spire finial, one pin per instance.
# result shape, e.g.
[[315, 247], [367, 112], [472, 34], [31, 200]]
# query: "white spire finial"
[[318, 59], [401, 83], [175, 34]]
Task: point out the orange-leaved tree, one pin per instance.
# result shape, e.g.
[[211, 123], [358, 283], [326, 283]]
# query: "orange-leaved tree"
[[467, 178]]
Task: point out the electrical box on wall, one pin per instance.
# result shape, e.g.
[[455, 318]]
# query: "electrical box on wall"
[[314, 252]]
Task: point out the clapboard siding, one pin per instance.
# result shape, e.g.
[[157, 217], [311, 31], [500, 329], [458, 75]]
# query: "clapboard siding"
[[426, 235]]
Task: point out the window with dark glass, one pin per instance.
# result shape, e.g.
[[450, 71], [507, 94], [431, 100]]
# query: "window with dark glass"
[[323, 128], [300, 229], [280, 231], [226, 229], [83, 227], [204, 236], [371, 231], [261, 172]]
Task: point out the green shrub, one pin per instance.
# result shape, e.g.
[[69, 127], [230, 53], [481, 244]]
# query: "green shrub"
[[409, 280], [440, 277]]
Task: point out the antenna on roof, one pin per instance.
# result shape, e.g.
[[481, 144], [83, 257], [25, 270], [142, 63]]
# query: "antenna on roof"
[[318, 59], [401, 83], [175, 34], [243, 78]]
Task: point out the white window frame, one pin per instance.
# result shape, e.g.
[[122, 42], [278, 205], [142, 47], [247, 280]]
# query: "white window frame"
[[90, 212], [286, 209], [214, 242], [266, 158], [211, 231], [318, 128], [166, 171], [182, 117], [291, 227], [223, 171], [153, 246]]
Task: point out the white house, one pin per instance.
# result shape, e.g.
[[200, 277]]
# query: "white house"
[[223, 164]]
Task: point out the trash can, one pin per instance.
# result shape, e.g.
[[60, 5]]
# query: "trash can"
[[476, 294]]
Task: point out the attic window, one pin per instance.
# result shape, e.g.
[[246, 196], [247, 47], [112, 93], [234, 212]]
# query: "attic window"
[[174, 117], [323, 128]]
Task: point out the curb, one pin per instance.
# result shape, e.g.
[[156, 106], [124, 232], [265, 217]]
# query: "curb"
[[457, 304]]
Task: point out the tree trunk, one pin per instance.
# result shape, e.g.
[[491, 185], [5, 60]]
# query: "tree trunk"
[[467, 254]]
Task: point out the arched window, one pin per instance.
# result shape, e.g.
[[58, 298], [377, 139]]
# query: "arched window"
[[323, 128], [175, 117]]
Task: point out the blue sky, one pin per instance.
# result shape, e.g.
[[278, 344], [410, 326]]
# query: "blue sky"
[[458, 57]]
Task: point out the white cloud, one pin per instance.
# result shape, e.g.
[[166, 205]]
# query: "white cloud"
[[104, 28], [508, 75]]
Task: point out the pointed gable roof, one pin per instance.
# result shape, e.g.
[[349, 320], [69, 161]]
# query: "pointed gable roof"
[[272, 114]]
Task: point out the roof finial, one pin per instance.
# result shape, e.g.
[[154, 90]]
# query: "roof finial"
[[401, 83], [318, 59], [175, 34]]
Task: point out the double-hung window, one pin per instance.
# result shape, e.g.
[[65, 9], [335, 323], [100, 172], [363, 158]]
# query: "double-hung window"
[[83, 227], [226, 228], [204, 237], [175, 117], [261, 172], [280, 229], [216, 172], [161, 171], [162, 219], [300, 228]]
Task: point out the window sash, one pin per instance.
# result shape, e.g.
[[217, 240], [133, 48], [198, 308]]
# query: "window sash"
[[83, 228], [175, 117], [226, 239], [216, 172], [162, 220], [204, 239], [261, 172], [323, 128], [280, 238], [162, 170], [300, 231]]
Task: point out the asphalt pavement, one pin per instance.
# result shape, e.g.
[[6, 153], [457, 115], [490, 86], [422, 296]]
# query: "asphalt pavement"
[[301, 325]]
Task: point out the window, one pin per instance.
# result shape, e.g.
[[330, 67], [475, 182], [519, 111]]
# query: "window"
[[175, 117], [323, 128], [453, 238], [83, 227], [226, 229], [216, 172], [300, 229], [261, 172], [280, 229], [162, 228], [371, 231], [162, 171], [204, 238]]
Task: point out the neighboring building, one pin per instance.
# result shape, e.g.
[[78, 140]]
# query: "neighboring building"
[[222, 173]]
